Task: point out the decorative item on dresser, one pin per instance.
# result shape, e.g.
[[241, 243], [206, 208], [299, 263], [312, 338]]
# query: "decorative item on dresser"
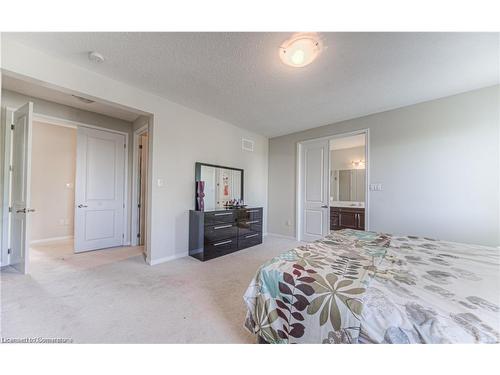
[[223, 231], [347, 218]]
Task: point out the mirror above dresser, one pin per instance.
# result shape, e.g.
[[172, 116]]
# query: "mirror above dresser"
[[217, 186]]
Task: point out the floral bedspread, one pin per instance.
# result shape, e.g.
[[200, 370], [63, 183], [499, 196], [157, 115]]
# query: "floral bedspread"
[[366, 287]]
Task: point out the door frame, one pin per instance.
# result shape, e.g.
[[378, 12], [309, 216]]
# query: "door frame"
[[6, 188], [298, 175], [135, 188], [52, 120]]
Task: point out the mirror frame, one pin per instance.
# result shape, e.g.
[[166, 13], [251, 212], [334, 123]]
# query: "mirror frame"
[[197, 175]]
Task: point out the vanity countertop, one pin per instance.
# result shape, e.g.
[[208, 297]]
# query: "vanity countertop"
[[347, 204]]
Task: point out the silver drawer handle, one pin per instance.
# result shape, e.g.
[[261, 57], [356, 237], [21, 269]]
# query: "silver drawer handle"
[[222, 243], [252, 235], [82, 206], [252, 211], [224, 214], [223, 226], [253, 222]]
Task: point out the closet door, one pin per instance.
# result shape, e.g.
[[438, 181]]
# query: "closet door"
[[99, 191]]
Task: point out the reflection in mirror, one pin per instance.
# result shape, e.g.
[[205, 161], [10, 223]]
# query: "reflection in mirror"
[[348, 185], [347, 174], [222, 185]]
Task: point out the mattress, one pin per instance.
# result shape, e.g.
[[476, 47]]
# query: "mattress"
[[367, 287]]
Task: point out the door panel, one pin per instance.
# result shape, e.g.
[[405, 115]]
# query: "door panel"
[[314, 166], [99, 190], [314, 161], [101, 166], [313, 223], [21, 175]]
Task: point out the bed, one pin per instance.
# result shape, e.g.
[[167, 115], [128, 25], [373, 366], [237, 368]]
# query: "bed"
[[367, 287]]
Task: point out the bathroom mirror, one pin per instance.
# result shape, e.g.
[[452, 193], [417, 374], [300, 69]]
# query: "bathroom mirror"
[[348, 185], [221, 185]]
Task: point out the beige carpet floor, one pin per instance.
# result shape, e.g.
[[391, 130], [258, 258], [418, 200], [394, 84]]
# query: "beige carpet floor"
[[113, 296]]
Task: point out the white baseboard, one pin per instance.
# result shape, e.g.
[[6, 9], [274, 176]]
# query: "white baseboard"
[[281, 236], [154, 262], [51, 239]]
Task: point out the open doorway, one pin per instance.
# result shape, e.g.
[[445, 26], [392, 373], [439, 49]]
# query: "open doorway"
[[68, 178], [347, 182], [332, 184], [77, 189]]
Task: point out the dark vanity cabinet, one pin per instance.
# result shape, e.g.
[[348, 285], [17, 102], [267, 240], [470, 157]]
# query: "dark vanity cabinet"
[[223, 231], [347, 218]]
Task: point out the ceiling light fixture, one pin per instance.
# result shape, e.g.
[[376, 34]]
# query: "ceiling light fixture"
[[300, 50], [96, 57]]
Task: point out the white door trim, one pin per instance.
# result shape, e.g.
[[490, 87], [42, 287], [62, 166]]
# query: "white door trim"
[[135, 177], [298, 174]]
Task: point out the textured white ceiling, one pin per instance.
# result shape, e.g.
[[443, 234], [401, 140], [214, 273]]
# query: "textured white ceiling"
[[239, 78]]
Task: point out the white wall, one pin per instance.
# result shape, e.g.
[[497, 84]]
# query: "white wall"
[[342, 159], [53, 166], [438, 163], [180, 137]]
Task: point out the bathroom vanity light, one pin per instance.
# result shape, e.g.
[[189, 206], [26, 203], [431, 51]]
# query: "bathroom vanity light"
[[358, 164], [300, 50]]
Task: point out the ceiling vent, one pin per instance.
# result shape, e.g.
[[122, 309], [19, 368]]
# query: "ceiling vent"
[[83, 100], [247, 144]]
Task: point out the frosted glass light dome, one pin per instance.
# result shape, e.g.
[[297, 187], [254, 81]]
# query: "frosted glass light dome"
[[300, 50]]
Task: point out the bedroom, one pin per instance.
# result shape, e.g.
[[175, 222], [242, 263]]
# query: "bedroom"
[[296, 184]]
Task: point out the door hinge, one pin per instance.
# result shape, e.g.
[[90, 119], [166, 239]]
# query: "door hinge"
[[138, 235], [140, 146], [8, 251], [10, 168], [123, 235], [139, 205], [124, 145], [11, 126], [10, 209]]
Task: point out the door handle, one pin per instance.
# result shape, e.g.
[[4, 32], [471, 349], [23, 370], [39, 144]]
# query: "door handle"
[[324, 206], [25, 210], [82, 206]]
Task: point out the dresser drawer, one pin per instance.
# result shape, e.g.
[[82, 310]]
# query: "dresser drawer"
[[249, 214], [250, 239], [219, 217], [220, 231], [219, 248], [247, 226]]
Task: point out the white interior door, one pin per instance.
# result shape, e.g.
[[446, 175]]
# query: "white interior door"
[[314, 189], [99, 189], [21, 174]]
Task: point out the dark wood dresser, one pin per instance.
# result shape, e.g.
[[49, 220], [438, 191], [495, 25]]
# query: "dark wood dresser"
[[347, 218], [220, 232]]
